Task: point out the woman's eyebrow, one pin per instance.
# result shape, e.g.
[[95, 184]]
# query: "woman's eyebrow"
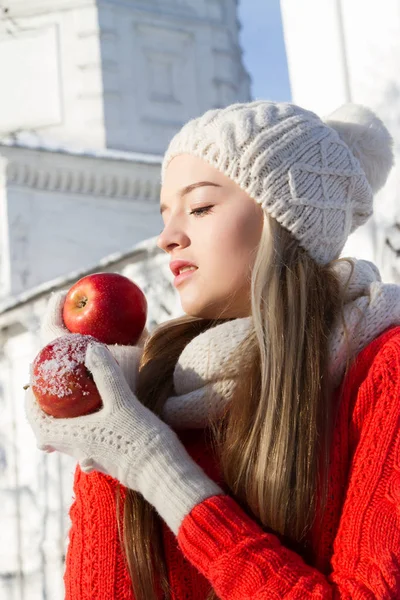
[[189, 188]]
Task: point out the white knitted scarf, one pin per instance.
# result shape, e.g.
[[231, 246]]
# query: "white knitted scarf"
[[208, 368]]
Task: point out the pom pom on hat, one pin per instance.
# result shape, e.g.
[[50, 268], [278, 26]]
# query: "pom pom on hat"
[[368, 139]]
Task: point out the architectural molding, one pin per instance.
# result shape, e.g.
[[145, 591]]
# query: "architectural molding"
[[21, 8], [133, 178], [175, 13]]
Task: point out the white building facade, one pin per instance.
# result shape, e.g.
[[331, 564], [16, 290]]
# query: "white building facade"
[[121, 74], [92, 92]]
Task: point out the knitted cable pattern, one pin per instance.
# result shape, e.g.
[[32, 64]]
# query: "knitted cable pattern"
[[95, 564], [293, 164], [356, 546], [358, 556]]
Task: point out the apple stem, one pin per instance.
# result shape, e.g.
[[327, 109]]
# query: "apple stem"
[[26, 386], [82, 303]]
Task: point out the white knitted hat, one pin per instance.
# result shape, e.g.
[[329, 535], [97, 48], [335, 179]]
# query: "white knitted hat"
[[316, 178]]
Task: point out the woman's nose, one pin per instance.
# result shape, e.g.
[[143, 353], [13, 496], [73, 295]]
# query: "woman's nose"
[[171, 238]]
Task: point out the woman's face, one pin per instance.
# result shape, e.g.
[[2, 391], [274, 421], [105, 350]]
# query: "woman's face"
[[212, 224]]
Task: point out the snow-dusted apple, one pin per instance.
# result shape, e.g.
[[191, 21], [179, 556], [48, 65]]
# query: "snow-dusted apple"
[[108, 306], [104, 307], [62, 384]]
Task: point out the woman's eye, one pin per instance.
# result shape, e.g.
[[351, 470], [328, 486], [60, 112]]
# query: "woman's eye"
[[199, 212]]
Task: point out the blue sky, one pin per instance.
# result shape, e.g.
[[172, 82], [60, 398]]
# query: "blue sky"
[[264, 49]]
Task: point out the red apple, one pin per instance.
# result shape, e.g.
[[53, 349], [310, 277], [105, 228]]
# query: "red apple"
[[108, 306], [62, 384]]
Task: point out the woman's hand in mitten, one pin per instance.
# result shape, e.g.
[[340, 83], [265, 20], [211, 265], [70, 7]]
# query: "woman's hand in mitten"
[[114, 439], [126, 440]]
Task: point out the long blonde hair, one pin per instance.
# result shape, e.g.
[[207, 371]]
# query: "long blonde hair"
[[273, 442]]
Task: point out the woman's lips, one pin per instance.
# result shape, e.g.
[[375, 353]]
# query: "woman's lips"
[[183, 276], [177, 265]]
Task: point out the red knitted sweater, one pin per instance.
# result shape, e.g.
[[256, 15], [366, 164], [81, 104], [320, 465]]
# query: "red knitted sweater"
[[356, 548]]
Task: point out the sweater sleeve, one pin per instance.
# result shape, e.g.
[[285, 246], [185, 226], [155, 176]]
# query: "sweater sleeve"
[[242, 561]]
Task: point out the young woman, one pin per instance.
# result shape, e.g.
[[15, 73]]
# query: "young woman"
[[252, 449]]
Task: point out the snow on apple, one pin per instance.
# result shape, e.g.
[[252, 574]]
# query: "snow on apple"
[[61, 383]]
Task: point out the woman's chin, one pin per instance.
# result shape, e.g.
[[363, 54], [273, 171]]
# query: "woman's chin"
[[204, 312], [198, 309], [214, 310]]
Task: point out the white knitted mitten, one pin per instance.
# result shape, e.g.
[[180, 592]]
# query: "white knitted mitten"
[[52, 327], [127, 441]]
